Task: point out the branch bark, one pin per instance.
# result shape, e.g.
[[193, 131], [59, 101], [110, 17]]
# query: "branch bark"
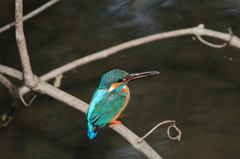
[[29, 79], [74, 102]]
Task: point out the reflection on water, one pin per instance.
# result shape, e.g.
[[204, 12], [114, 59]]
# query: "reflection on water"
[[198, 86]]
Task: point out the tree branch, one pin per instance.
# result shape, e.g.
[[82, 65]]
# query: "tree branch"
[[7, 117], [133, 140], [210, 44], [12, 89], [173, 125], [30, 15], [74, 102], [29, 79], [198, 31]]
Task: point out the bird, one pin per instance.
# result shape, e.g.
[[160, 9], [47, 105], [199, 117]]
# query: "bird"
[[110, 99]]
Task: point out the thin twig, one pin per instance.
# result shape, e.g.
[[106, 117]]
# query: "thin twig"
[[7, 83], [23, 101], [178, 137], [7, 117], [30, 15], [210, 44], [168, 130]]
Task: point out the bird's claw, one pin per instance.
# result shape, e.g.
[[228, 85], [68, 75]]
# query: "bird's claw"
[[115, 123]]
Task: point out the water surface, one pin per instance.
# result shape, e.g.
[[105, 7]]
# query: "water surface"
[[198, 85]]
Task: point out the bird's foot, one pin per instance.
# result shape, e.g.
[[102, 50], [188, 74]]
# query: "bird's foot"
[[115, 123]]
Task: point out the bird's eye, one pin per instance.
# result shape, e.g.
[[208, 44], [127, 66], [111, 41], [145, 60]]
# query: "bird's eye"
[[120, 80]]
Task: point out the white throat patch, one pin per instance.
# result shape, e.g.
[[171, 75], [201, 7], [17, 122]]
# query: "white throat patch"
[[111, 89]]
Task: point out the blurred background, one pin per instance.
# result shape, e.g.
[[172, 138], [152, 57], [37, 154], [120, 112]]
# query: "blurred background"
[[198, 85]]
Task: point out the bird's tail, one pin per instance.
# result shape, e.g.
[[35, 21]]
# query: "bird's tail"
[[91, 133]]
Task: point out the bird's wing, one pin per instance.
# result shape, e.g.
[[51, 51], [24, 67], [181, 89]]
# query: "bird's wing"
[[104, 106]]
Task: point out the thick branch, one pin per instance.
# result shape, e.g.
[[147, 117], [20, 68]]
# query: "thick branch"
[[29, 79], [30, 15], [70, 100], [133, 139], [21, 39]]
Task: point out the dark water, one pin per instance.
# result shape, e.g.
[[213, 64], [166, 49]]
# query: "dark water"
[[198, 85]]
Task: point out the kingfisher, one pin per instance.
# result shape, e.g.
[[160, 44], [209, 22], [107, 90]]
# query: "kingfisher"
[[110, 99]]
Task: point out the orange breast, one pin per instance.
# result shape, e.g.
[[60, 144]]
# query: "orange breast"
[[125, 90]]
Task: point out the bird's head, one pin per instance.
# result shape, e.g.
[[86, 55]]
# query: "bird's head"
[[120, 78]]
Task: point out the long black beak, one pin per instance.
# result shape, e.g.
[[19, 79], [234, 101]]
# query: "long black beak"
[[135, 76]]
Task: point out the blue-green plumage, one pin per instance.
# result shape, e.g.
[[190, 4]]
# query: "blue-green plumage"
[[110, 99], [105, 104]]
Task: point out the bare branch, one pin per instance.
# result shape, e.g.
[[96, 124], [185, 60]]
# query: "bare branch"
[[23, 101], [173, 125], [70, 100], [29, 79], [210, 44], [178, 137], [7, 117], [20, 37], [214, 45], [133, 140], [12, 89], [30, 15], [198, 31], [11, 72]]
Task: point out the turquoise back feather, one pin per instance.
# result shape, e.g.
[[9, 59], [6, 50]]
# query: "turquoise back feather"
[[103, 107]]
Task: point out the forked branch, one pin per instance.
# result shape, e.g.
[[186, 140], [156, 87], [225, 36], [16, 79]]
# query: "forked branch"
[[70, 100]]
